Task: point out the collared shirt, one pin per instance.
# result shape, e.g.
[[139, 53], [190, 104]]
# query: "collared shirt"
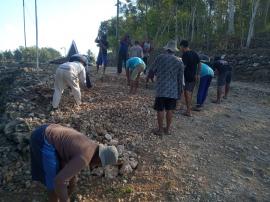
[[169, 71], [75, 68]]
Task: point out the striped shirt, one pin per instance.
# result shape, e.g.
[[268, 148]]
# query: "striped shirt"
[[169, 72]]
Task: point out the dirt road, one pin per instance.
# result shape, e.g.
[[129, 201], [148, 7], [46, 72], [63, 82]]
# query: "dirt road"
[[222, 153]]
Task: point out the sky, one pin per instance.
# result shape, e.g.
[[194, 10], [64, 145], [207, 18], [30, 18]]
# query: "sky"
[[59, 22]]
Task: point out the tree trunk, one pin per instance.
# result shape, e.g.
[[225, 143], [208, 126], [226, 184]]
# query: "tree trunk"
[[146, 19], [231, 11], [192, 24], [176, 25], [266, 13], [255, 5]]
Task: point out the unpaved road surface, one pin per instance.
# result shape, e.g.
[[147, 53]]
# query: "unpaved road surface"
[[222, 153]]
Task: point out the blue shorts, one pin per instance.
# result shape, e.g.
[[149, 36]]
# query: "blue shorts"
[[44, 158], [102, 59]]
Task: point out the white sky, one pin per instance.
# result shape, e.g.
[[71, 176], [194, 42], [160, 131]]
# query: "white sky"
[[59, 22]]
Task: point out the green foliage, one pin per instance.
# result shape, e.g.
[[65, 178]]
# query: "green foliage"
[[91, 56], [28, 54], [161, 20], [119, 192]]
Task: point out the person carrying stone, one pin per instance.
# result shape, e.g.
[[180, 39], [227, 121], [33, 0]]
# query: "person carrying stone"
[[206, 76], [59, 153], [224, 76], [168, 70], [68, 75], [135, 66], [192, 70]]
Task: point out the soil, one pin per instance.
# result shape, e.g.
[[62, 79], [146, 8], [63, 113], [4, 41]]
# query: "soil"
[[221, 153]]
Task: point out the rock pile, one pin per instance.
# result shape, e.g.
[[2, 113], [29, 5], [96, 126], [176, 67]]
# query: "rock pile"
[[26, 104], [249, 64]]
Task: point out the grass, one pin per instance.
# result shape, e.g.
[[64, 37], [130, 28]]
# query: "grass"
[[119, 192]]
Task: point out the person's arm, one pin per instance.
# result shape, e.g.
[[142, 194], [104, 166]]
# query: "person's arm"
[[141, 52], [215, 68], [198, 71], [72, 168], [180, 78]]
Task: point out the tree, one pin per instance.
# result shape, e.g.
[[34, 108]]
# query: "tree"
[[8, 56], [255, 6], [18, 55], [91, 56], [231, 11], [207, 23]]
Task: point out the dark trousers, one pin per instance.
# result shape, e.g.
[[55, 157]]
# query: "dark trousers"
[[122, 57], [205, 82]]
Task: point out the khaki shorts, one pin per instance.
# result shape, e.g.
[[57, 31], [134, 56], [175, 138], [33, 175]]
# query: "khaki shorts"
[[137, 71]]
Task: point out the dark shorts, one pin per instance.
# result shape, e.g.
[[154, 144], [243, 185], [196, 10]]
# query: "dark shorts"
[[44, 159], [224, 78], [189, 86], [162, 103]]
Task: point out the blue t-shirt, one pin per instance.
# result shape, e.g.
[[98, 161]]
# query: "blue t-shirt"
[[206, 70], [123, 47], [133, 62]]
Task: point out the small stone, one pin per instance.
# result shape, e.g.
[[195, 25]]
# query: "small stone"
[[248, 171], [126, 169], [114, 142], [120, 149], [111, 172], [108, 136], [98, 171], [133, 163]]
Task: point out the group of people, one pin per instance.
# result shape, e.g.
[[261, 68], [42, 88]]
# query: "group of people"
[[177, 76], [58, 153]]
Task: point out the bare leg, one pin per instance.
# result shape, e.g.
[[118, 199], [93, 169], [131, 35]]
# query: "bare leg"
[[52, 196], [136, 84], [227, 89], [188, 102], [97, 68], [128, 76], [169, 116], [219, 94], [132, 86], [160, 117], [104, 69]]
